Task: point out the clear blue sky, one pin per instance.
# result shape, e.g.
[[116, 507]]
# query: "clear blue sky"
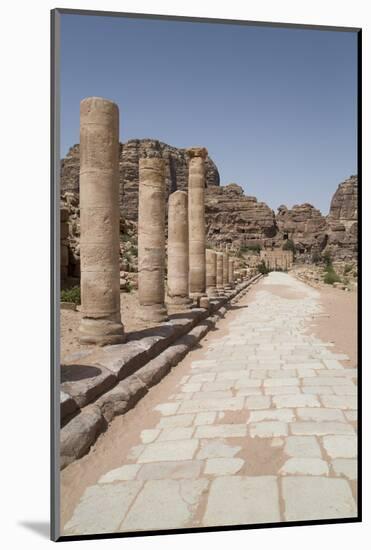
[[276, 108]]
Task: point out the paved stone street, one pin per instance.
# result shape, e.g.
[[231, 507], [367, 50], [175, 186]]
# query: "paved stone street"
[[262, 429]]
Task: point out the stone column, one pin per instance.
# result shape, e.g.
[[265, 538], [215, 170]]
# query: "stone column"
[[196, 217], [64, 245], [99, 223], [211, 272], [178, 253], [151, 240], [231, 272], [225, 270], [219, 271]]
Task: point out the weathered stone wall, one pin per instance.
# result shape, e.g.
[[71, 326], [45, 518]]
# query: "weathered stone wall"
[[237, 219], [342, 224], [277, 259], [305, 226]]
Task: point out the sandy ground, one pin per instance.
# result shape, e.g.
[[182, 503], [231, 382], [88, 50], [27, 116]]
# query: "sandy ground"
[[70, 321], [338, 324], [339, 321]]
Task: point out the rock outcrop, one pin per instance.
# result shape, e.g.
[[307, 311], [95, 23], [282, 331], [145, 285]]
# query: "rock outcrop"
[[176, 171], [236, 219], [342, 224], [232, 217], [305, 226]]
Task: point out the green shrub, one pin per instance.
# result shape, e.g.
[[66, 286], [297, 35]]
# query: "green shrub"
[[255, 248], [125, 237], [289, 245], [127, 287], [327, 259], [71, 295], [348, 268], [331, 277], [263, 269]]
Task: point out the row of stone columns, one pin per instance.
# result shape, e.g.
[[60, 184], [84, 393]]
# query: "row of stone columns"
[[194, 272]]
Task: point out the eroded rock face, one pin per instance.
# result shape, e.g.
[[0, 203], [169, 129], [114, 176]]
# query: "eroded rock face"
[[176, 171], [237, 219], [232, 217], [305, 226], [342, 221]]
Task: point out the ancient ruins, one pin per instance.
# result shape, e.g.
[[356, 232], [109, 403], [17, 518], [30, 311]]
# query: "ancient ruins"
[[178, 253], [196, 217], [263, 412], [152, 219], [99, 210], [151, 239], [231, 217]]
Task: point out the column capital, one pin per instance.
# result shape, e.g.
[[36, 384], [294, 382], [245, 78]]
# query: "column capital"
[[194, 152]]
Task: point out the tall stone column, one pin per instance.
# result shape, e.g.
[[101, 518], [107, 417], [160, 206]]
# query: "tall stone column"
[[225, 270], [99, 223], [151, 239], [211, 272], [178, 252], [219, 271], [64, 245], [196, 216], [231, 272]]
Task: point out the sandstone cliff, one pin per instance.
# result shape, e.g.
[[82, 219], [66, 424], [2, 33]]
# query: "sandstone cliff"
[[176, 170], [231, 216], [342, 221], [305, 226], [236, 219]]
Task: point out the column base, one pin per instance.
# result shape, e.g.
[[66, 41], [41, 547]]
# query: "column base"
[[200, 299], [154, 313], [101, 332], [221, 291], [212, 292], [204, 302], [176, 304]]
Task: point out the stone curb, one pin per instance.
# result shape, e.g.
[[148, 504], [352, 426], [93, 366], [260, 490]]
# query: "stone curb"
[[125, 373]]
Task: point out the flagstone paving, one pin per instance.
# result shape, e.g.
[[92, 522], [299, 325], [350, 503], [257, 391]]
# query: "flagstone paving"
[[262, 430]]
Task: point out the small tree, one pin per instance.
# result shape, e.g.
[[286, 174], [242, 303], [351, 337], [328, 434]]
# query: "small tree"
[[71, 295], [263, 269], [254, 248], [327, 258], [331, 277], [289, 245]]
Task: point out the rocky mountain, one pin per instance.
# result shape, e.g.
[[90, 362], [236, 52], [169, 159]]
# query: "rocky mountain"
[[342, 221], [176, 170], [305, 226], [232, 217], [237, 219]]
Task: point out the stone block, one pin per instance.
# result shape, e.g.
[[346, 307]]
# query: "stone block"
[[305, 466], [85, 383], [79, 434], [302, 446], [250, 500], [165, 504], [168, 451], [317, 498], [340, 446]]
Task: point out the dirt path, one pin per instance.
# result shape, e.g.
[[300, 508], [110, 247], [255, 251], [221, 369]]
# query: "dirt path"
[[339, 322]]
